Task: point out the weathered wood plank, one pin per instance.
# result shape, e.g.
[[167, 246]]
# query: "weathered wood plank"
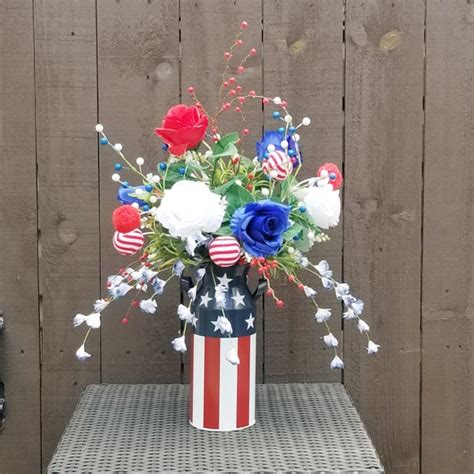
[[208, 29], [303, 63], [138, 68], [66, 91], [382, 226], [19, 344], [448, 283]]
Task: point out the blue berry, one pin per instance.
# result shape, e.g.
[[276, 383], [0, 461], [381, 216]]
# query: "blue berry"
[[149, 188], [146, 207], [118, 166], [276, 114], [104, 141], [181, 171], [162, 166], [164, 147], [332, 176], [291, 152], [281, 130], [296, 237], [302, 209], [265, 155], [292, 130], [125, 184]]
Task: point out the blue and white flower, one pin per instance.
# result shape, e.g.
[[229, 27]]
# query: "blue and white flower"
[[148, 306]]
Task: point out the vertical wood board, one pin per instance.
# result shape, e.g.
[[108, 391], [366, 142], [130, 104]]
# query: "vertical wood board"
[[303, 64], [448, 284], [66, 93], [138, 74], [19, 343], [382, 226]]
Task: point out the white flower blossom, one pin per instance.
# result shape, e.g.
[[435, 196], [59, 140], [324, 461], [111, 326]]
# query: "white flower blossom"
[[200, 274], [178, 267], [349, 314], [372, 348], [189, 208], [322, 314], [148, 306], [114, 280], [327, 283], [323, 269], [192, 293], [120, 290], [184, 313], [337, 363], [222, 324], [341, 290], [81, 353], [330, 340], [179, 344], [363, 326], [92, 320], [323, 205], [220, 295], [158, 285], [232, 357], [309, 292], [100, 305]]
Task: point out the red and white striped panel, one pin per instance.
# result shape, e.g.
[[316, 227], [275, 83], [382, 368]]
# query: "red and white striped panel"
[[278, 165], [222, 395], [129, 243], [224, 251]]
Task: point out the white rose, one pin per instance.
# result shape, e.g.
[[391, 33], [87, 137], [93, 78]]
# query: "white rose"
[[323, 205], [189, 208]]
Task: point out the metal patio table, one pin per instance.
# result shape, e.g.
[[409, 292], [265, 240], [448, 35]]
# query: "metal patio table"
[[144, 428]]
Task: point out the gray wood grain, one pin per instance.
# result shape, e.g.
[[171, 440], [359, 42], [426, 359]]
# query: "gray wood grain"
[[382, 225], [303, 64], [448, 284], [19, 344], [66, 92], [138, 72]]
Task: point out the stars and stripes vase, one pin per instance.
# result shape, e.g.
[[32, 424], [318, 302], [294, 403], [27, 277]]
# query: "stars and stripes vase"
[[222, 392]]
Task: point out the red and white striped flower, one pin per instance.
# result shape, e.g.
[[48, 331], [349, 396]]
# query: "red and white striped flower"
[[278, 165], [129, 243], [224, 251]]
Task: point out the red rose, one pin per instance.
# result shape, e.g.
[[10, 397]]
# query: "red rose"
[[183, 128], [334, 175]]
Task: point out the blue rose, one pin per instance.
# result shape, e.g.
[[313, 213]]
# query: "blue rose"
[[124, 195], [273, 137], [260, 227]]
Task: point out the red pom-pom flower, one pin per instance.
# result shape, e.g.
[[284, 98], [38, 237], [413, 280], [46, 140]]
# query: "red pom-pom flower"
[[334, 175], [125, 219], [183, 128]]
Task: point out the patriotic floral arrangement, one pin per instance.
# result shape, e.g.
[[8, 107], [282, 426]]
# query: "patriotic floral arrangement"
[[208, 202]]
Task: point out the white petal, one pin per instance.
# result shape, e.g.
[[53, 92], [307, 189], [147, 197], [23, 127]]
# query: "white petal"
[[93, 320], [337, 363], [363, 326], [322, 314], [79, 319], [330, 340], [179, 344], [232, 357], [372, 348], [81, 353]]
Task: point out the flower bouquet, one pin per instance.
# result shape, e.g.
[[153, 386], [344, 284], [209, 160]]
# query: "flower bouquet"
[[210, 208]]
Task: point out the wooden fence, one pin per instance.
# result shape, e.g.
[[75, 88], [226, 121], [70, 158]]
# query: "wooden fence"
[[389, 87]]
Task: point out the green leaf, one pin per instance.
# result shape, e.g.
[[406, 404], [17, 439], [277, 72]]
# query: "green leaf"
[[293, 231], [226, 146], [237, 196], [224, 230]]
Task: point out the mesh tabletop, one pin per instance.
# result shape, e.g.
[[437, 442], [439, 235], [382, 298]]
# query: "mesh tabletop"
[[144, 428]]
